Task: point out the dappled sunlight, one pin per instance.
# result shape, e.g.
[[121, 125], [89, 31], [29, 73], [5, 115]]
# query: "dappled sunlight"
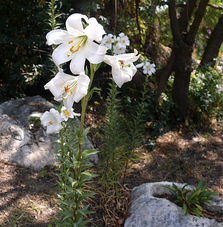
[[184, 159], [27, 197]]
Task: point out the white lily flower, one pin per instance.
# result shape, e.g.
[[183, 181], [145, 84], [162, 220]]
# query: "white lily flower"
[[77, 43], [65, 113], [119, 48], [123, 39], [149, 68], [52, 120], [107, 41], [68, 88], [122, 65]]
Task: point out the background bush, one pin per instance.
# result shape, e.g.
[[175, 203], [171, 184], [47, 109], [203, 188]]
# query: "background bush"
[[22, 47]]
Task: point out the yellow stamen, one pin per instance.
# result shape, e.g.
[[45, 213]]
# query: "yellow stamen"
[[76, 44], [66, 113], [50, 123], [72, 49], [69, 89]]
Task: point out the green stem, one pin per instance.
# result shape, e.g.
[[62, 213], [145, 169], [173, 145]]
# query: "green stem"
[[62, 157], [84, 103]]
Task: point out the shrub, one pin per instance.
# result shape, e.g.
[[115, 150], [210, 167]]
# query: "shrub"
[[205, 95]]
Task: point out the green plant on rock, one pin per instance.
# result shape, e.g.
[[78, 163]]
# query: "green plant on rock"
[[192, 199]]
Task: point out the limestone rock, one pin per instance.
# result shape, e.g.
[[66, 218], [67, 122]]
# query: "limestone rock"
[[150, 211], [22, 139]]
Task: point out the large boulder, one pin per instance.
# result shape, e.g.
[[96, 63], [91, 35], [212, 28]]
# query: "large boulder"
[[22, 139], [149, 209]]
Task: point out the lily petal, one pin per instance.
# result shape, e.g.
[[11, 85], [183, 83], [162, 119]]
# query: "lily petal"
[[57, 36], [96, 52], [62, 54], [82, 87], [53, 128], [94, 30], [74, 23], [56, 85], [77, 63]]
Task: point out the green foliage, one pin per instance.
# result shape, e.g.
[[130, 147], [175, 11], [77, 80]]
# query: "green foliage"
[[112, 141], [123, 133], [21, 47], [136, 116], [162, 115], [192, 199], [208, 23], [72, 177], [205, 95], [141, 107], [53, 16]]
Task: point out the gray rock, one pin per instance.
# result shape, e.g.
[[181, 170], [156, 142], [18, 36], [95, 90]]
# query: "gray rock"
[[23, 140], [150, 211]]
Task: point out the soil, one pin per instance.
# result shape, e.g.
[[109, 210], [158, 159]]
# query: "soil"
[[28, 198]]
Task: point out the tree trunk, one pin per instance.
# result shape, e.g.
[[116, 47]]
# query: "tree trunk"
[[180, 92], [213, 46], [183, 43], [179, 29]]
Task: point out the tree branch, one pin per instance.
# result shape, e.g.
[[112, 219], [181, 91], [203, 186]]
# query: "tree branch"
[[174, 21], [165, 74], [197, 20], [213, 46], [209, 4], [215, 6], [186, 15]]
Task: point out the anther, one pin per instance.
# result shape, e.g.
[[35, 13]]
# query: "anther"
[[66, 113], [66, 88], [72, 49]]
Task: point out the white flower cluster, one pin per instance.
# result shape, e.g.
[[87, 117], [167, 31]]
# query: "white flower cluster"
[[148, 68], [116, 44], [76, 44]]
